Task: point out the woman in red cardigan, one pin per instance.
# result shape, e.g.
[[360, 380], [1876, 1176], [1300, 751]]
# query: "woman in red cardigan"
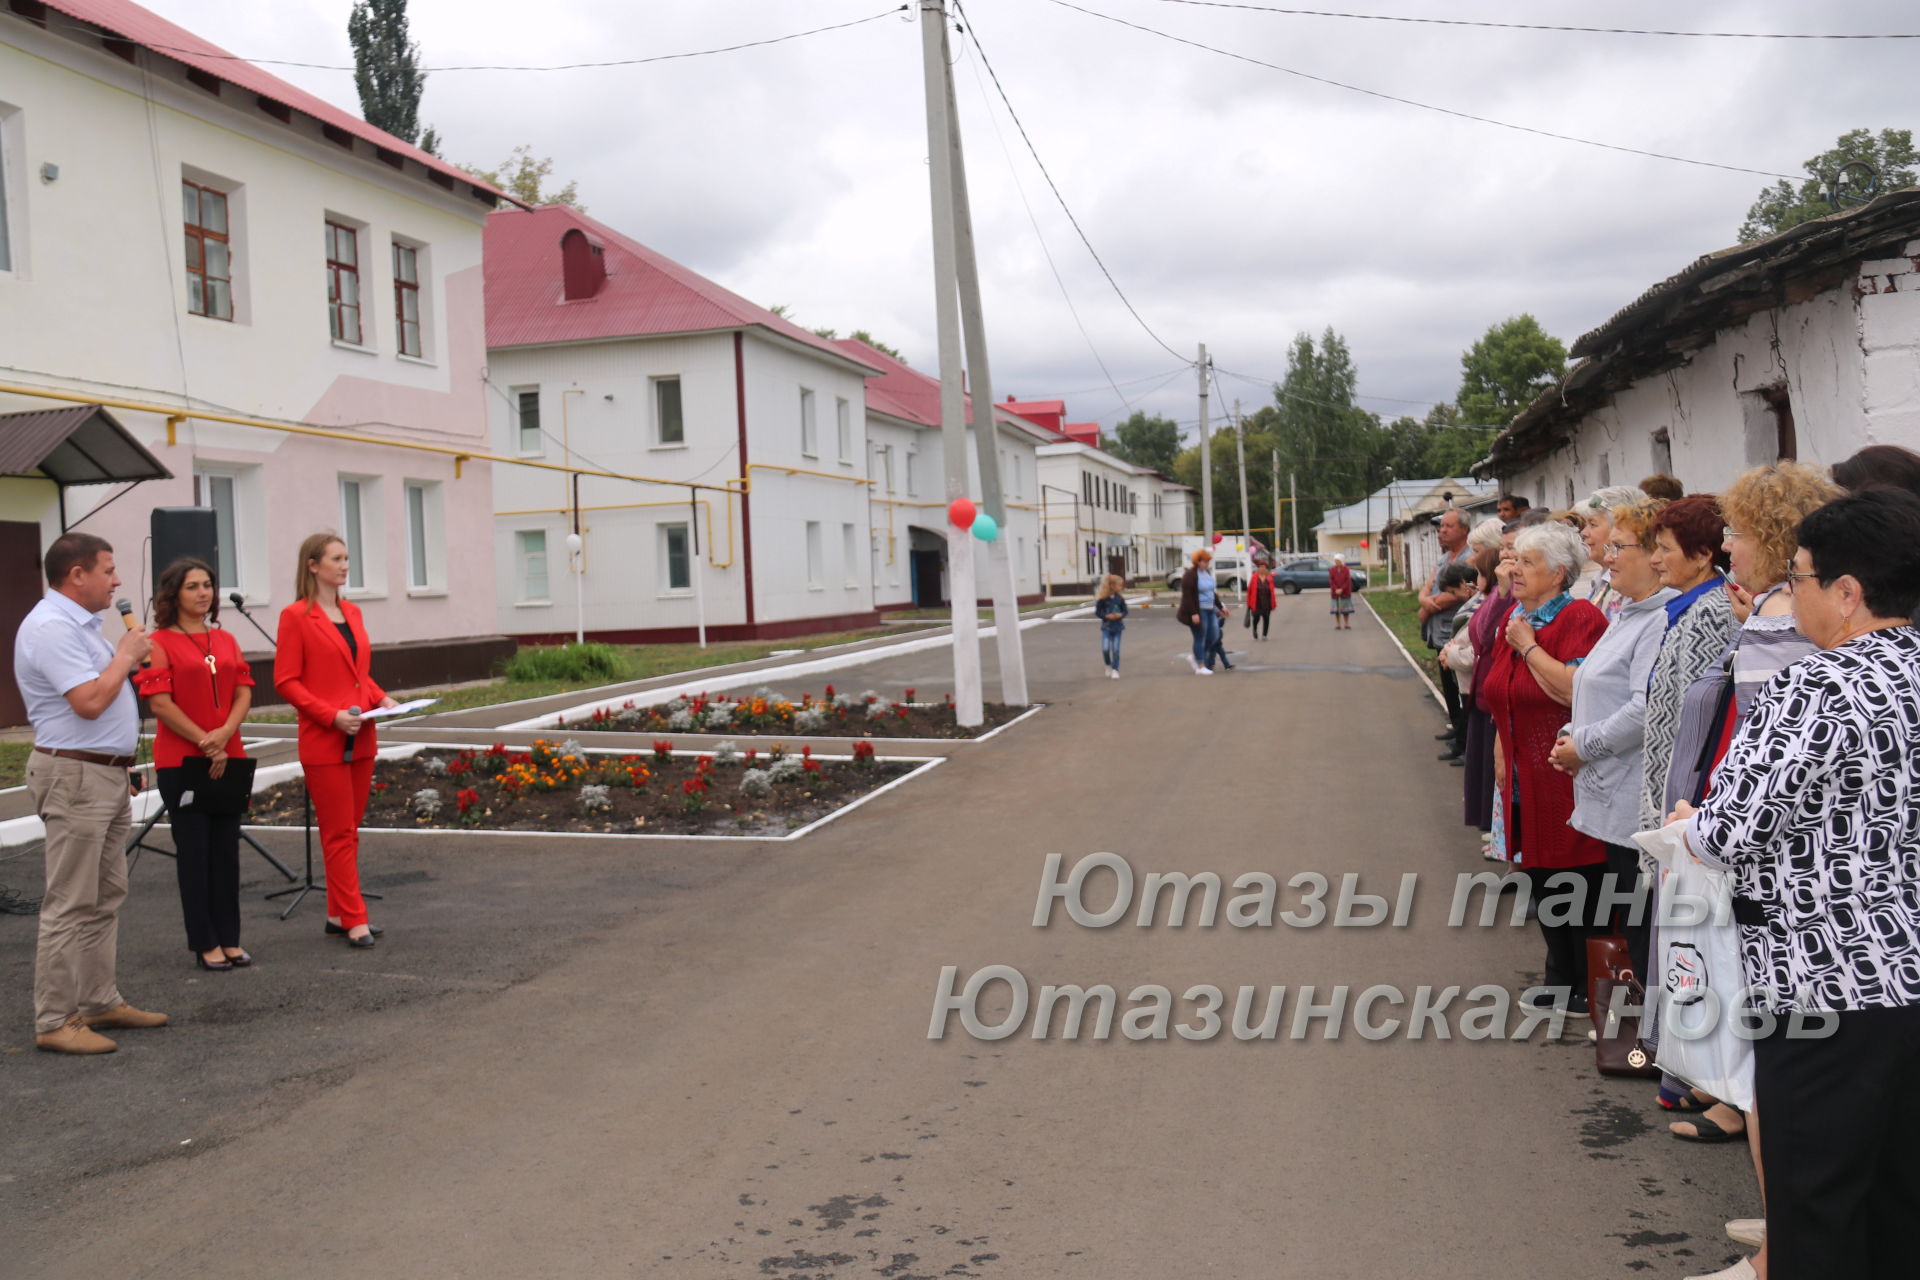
[[200, 689], [1528, 691], [320, 668]]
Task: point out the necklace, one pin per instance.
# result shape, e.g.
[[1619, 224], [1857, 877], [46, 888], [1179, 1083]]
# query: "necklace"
[[206, 655]]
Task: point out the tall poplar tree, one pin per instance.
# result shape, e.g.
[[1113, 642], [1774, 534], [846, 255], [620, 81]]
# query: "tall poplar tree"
[[386, 68]]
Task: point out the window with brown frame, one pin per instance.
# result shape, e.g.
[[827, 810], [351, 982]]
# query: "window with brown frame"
[[343, 282], [406, 297], [209, 251]]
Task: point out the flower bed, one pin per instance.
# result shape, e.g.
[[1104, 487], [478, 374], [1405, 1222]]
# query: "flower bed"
[[833, 715], [562, 787]]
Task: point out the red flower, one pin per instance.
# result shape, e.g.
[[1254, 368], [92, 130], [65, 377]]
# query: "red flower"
[[694, 786], [806, 752], [909, 697], [497, 749], [829, 691], [702, 766], [459, 765], [662, 748], [810, 766], [862, 751], [467, 799], [752, 755]]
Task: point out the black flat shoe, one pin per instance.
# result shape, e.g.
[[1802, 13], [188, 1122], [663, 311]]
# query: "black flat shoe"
[[367, 941], [212, 966], [334, 928]]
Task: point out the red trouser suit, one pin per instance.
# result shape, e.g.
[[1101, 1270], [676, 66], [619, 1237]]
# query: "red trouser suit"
[[320, 676]]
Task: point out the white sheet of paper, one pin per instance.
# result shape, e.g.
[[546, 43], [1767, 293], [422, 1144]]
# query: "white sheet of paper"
[[186, 797], [404, 709]]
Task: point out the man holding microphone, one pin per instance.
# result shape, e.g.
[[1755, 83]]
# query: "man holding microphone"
[[86, 727]]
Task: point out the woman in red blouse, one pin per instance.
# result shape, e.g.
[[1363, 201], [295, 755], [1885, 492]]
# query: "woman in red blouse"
[[200, 689], [1528, 690]]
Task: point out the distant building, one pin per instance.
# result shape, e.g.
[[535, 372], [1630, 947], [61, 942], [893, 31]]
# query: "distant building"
[[603, 352], [181, 232], [1803, 345], [1343, 530]]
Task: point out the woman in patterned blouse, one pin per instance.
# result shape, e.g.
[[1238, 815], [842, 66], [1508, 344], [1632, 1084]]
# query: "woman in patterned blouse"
[[1688, 558], [1816, 811]]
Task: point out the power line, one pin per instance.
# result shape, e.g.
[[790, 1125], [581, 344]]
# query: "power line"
[[1424, 106], [1542, 26], [1053, 186], [563, 66]]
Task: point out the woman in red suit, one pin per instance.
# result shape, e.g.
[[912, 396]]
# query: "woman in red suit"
[[1528, 691], [200, 689], [320, 667]]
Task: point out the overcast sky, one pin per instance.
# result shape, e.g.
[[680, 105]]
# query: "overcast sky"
[[1234, 204]]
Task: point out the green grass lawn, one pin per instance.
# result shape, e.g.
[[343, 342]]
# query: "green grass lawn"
[[637, 662], [13, 763], [1400, 610]]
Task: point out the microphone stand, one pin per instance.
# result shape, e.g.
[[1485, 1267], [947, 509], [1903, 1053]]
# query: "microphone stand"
[[138, 842], [307, 884]]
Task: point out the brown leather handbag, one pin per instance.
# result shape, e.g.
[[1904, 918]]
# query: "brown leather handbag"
[[1617, 1049]]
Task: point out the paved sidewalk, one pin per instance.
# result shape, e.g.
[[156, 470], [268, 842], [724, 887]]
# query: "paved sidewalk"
[[662, 1061]]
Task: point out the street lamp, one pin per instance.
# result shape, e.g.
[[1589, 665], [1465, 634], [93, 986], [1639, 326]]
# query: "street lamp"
[[579, 587]]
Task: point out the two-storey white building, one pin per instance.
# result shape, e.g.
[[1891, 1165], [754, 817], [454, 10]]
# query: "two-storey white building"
[[1103, 515], [907, 463], [606, 354], [184, 238]]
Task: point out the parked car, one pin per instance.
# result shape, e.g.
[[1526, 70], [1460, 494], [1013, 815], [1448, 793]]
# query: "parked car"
[[1308, 572], [1231, 572]]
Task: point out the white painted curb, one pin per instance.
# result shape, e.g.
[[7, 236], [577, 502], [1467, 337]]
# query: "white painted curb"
[[1411, 661]]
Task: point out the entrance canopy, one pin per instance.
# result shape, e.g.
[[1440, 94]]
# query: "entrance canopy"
[[77, 444]]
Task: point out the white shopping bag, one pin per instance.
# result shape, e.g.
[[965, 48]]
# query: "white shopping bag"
[[1701, 983]]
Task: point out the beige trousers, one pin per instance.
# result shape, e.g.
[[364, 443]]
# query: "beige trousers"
[[87, 814]]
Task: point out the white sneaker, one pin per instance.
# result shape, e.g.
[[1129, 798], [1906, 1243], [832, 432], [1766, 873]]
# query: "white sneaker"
[[1115, 673], [1741, 1270], [1203, 671], [1751, 1232]]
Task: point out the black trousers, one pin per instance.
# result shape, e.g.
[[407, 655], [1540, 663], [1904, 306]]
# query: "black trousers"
[[1624, 864], [1567, 943], [1262, 622], [1456, 707], [1840, 1123], [207, 862]]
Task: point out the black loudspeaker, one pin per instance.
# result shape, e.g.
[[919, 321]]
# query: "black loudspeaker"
[[186, 531]]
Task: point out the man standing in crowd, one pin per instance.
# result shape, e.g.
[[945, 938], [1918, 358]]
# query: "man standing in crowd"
[[1510, 507], [1436, 625], [86, 726]]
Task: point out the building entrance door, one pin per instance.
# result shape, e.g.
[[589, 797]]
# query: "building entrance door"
[[21, 587]]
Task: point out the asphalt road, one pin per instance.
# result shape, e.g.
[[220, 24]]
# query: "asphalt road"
[[658, 1059]]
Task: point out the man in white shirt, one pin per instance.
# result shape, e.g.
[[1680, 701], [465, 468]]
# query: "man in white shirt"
[[86, 726]]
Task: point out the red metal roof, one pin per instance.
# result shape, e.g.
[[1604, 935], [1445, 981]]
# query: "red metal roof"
[[1050, 414], [142, 27], [902, 391], [645, 293]]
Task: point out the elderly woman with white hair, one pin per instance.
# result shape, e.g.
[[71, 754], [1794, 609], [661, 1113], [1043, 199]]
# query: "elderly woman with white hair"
[[1528, 687], [1596, 517]]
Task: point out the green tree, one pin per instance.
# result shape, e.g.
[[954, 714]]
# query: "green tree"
[[1503, 372], [525, 178], [386, 68], [861, 335], [1146, 441], [1784, 205]]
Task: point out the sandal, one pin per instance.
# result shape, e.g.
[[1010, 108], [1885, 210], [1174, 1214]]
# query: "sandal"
[[1682, 1102], [1706, 1131]]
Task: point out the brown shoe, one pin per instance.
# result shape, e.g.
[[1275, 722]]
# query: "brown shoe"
[[74, 1037], [126, 1016]]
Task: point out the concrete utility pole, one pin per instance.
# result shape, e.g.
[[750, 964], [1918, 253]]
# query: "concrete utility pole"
[[986, 429], [1246, 516], [1293, 503], [961, 591], [1276, 504], [1206, 457]]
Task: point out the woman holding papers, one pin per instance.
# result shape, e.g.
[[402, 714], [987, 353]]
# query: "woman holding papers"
[[321, 668], [200, 689]]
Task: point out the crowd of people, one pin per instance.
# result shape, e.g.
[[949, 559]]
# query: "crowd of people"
[[1745, 665], [80, 695]]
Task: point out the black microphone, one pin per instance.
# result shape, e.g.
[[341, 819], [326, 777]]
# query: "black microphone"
[[125, 606], [352, 711], [240, 602]]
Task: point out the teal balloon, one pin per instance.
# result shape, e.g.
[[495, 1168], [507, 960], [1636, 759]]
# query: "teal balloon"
[[984, 527]]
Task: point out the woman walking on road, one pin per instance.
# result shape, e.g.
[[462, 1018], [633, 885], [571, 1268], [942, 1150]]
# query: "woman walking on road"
[[1111, 608], [1261, 595], [1340, 583], [1197, 611]]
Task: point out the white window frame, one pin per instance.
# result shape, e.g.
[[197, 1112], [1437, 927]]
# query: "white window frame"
[[656, 389], [816, 557], [523, 557], [516, 421], [206, 481], [13, 191], [665, 535], [809, 425], [843, 427], [424, 505], [365, 536], [913, 473], [850, 553]]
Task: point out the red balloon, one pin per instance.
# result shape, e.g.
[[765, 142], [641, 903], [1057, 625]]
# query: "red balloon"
[[961, 511], [1218, 536]]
